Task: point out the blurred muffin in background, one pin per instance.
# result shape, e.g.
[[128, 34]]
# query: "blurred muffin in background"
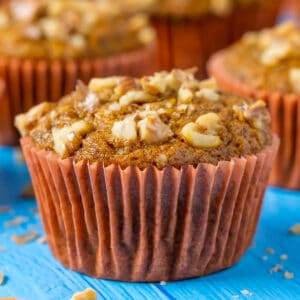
[[189, 31], [45, 46], [266, 65]]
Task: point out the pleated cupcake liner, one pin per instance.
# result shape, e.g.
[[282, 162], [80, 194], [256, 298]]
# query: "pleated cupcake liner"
[[184, 43], [31, 81], [285, 122], [148, 225]]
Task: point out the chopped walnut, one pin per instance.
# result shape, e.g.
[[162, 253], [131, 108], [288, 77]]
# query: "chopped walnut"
[[275, 52], [25, 238], [185, 95], [68, 139], [208, 94], [16, 221], [88, 294], [221, 7], [276, 268], [210, 83], [97, 85], [210, 121], [152, 130], [136, 97], [25, 10], [125, 130], [192, 134], [162, 159], [115, 106], [255, 113], [288, 275], [53, 29], [295, 229], [4, 19], [294, 78], [24, 121], [154, 84], [285, 28], [91, 102]]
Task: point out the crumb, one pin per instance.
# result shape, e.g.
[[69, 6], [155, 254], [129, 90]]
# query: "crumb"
[[163, 283], [283, 257], [41, 240], [270, 251], [288, 275], [34, 210], [265, 257], [246, 293], [295, 229], [23, 239], [28, 192], [16, 221], [1, 278], [88, 294], [4, 208], [2, 249], [19, 156], [276, 268]]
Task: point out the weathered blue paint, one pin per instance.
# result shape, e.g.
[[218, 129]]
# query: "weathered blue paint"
[[32, 272]]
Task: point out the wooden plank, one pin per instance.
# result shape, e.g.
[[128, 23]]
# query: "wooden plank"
[[32, 272]]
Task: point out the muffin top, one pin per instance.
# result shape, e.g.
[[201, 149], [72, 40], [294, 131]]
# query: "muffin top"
[[268, 60], [196, 8], [164, 119], [71, 28]]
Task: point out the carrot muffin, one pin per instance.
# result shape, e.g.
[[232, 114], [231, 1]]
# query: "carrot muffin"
[[266, 65], [189, 31], [46, 45], [149, 179]]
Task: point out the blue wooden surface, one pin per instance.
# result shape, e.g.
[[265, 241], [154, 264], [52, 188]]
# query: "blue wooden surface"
[[33, 274]]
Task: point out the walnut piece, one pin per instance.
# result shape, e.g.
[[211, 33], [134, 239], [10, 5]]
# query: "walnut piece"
[[193, 136], [152, 130], [125, 130], [97, 85], [210, 121], [87, 294], [275, 52], [294, 78], [208, 94], [185, 95], [136, 97], [68, 139], [23, 121]]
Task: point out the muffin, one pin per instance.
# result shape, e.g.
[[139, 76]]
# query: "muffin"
[[150, 179], [266, 65], [46, 45], [189, 31]]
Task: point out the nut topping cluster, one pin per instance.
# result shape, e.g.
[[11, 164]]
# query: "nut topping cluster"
[[276, 44], [166, 118], [68, 28]]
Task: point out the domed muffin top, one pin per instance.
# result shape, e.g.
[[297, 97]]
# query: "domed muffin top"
[[164, 119], [196, 8], [269, 59], [72, 29]]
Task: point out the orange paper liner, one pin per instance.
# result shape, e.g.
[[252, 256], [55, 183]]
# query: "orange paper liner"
[[148, 225], [285, 122], [29, 82], [189, 42]]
